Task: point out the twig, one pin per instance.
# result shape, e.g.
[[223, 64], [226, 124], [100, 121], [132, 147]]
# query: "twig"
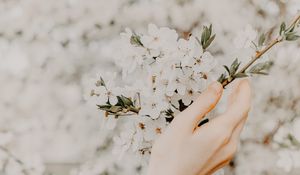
[[260, 53]]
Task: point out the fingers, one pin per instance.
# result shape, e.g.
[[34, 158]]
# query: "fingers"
[[239, 105], [220, 129], [220, 159], [201, 106]]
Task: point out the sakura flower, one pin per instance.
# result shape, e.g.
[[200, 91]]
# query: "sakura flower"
[[129, 138], [205, 63], [108, 93], [159, 38], [154, 105], [189, 48], [190, 96], [176, 84], [151, 128]]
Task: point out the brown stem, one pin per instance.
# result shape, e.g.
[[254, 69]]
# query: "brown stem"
[[260, 53]]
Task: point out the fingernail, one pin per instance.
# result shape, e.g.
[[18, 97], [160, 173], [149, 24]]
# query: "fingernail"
[[217, 87]]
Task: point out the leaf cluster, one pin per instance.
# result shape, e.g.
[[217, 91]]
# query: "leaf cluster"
[[289, 33], [123, 106], [206, 37], [233, 73]]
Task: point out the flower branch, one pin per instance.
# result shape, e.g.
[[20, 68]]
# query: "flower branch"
[[285, 34]]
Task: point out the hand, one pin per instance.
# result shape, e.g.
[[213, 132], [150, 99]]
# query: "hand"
[[186, 149]]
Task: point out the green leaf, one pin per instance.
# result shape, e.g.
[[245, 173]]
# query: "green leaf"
[[100, 82], [120, 102], [234, 67], [126, 101], [115, 109], [104, 107], [293, 140], [227, 69], [260, 68], [261, 40], [260, 73], [282, 28], [208, 42], [206, 37], [240, 75], [136, 40], [291, 36], [222, 78]]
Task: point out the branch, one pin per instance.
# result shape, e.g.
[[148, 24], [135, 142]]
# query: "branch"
[[260, 53]]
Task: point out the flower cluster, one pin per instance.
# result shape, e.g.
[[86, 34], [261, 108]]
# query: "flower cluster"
[[46, 126], [161, 75]]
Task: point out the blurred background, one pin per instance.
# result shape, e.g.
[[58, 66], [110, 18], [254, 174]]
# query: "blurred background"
[[50, 49]]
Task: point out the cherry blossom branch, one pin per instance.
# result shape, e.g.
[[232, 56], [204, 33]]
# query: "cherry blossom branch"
[[285, 34]]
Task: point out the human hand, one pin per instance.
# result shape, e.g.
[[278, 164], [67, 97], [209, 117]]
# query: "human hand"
[[186, 149]]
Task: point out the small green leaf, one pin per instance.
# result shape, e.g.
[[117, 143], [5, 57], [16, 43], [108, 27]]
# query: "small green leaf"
[[260, 68], [282, 28], [227, 69], [115, 109], [291, 36], [208, 42], [293, 140], [100, 82], [126, 101], [104, 107], [234, 67], [206, 37], [260, 73], [240, 75], [136, 40], [222, 78], [261, 40]]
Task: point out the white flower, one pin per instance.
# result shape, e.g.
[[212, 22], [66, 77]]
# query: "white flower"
[[189, 49], [151, 128], [129, 138], [160, 38], [109, 92], [205, 63], [153, 104], [190, 96]]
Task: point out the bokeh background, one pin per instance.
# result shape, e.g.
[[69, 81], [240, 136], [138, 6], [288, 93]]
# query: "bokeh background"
[[50, 49]]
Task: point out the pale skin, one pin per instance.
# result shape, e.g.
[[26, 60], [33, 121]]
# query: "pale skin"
[[186, 149]]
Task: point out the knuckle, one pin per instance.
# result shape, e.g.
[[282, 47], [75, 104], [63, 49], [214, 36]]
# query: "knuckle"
[[224, 135], [227, 133], [226, 138]]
